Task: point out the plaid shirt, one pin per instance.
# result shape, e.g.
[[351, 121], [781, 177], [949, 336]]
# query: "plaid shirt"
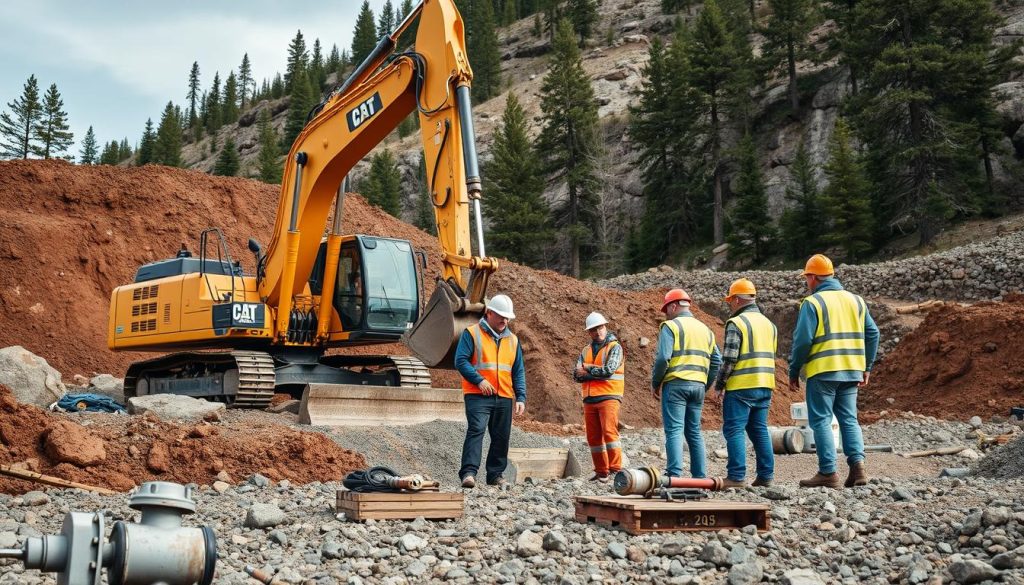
[[610, 365], [731, 349]]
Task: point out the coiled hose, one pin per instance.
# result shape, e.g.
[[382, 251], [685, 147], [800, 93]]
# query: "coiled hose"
[[374, 479]]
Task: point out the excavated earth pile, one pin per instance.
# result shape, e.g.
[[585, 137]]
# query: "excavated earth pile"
[[960, 362], [70, 234], [115, 454]]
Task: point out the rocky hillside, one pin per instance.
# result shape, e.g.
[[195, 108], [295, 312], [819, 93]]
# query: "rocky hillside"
[[616, 74]]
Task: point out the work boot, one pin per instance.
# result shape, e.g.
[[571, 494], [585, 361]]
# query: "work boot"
[[501, 481], [821, 480], [857, 475], [602, 477], [469, 482], [762, 482], [732, 483]]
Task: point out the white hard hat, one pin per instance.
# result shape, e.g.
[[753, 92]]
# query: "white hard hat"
[[595, 319], [501, 305]]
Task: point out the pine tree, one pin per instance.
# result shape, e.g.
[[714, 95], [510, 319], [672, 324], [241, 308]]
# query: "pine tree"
[[408, 36], [124, 150], [786, 36], [167, 149], [268, 162], [277, 87], [214, 107], [508, 15], [298, 108], [246, 83], [483, 46], [847, 199], [673, 6], [386, 20], [919, 64], [802, 223], [364, 37], [147, 145], [713, 58], [518, 216], [333, 60], [52, 130], [193, 94], [298, 61], [425, 219], [110, 153], [752, 233], [583, 14], [229, 109], [89, 151], [569, 142], [384, 183], [17, 130], [317, 73], [227, 162]]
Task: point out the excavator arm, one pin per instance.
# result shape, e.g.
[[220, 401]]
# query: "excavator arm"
[[434, 80]]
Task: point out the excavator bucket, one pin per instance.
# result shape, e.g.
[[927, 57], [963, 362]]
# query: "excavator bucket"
[[435, 336], [358, 405]]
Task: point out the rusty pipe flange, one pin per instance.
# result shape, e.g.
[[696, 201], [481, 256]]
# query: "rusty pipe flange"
[[643, 480]]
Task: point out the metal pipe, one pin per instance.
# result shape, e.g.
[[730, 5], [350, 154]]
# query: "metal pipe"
[[284, 307], [646, 481], [331, 266], [300, 161], [473, 185]]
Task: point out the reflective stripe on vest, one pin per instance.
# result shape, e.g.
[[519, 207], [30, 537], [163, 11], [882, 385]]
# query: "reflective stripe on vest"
[[838, 343], [755, 364], [612, 386], [691, 350], [493, 360]]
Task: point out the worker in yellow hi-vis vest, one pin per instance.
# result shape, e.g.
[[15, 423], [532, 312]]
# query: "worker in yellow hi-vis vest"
[[836, 340], [747, 379]]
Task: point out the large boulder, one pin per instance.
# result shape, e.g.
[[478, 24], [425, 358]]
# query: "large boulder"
[[108, 385], [67, 442], [30, 378], [173, 406]]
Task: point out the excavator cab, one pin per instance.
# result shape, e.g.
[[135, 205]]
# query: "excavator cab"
[[376, 291]]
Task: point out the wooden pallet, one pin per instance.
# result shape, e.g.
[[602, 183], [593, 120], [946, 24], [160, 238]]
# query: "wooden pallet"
[[638, 515], [401, 506], [541, 463]]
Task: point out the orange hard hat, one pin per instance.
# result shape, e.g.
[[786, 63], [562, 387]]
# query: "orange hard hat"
[[741, 286], [676, 294], [819, 265]]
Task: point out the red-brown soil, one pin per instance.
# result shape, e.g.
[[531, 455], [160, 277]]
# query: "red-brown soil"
[[960, 362], [119, 455], [70, 234]]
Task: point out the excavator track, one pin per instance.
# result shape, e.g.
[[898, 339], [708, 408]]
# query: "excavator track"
[[411, 371], [255, 379]]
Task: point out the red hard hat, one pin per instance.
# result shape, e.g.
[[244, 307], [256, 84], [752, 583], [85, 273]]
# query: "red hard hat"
[[676, 294]]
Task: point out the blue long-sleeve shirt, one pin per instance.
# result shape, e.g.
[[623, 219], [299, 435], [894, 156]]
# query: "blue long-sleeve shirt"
[[807, 324], [666, 343], [464, 352]]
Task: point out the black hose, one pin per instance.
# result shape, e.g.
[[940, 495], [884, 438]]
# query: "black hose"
[[373, 479]]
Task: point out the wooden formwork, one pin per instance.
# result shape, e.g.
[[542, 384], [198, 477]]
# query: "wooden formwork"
[[400, 506], [638, 515]]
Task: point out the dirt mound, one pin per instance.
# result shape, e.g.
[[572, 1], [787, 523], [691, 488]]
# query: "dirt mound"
[[960, 362], [1003, 462], [119, 456], [109, 220]]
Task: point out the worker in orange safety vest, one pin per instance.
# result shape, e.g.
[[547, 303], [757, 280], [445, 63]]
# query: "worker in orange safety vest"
[[600, 368]]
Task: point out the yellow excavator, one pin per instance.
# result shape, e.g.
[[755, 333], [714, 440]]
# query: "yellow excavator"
[[270, 330]]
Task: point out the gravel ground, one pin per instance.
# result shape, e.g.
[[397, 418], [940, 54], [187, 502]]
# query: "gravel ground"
[[910, 526]]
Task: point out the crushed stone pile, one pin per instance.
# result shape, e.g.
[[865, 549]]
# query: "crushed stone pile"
[[1003, 462], [960, 362], [106, 451], [984, 270], [110, 220]]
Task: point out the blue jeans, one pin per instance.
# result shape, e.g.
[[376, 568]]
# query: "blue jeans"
[[681, 404], [824, 399], [747, 410], [494, 415]]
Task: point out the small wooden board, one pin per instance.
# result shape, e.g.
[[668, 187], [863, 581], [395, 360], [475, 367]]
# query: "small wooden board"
[[638, 515], [401, 506]]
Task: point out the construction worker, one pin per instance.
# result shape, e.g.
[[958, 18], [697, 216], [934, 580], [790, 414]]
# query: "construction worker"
[[490, 360], [600, 368], [747, 379], [686, 359], [836, 341]]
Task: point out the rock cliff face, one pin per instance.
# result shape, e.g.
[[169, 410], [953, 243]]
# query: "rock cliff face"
[[615, 70]]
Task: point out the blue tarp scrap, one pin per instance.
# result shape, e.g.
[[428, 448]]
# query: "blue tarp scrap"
[[89, 403]]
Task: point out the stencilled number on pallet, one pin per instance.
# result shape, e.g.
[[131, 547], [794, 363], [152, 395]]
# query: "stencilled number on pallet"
[[705, 520]]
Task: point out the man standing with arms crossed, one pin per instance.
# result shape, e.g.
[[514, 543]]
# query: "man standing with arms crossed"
[[601, 369], [490, 360], [747, 378], [686, 358], [836, 340]]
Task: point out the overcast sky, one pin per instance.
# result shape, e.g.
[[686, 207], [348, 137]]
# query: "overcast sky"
[[118, 62]]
